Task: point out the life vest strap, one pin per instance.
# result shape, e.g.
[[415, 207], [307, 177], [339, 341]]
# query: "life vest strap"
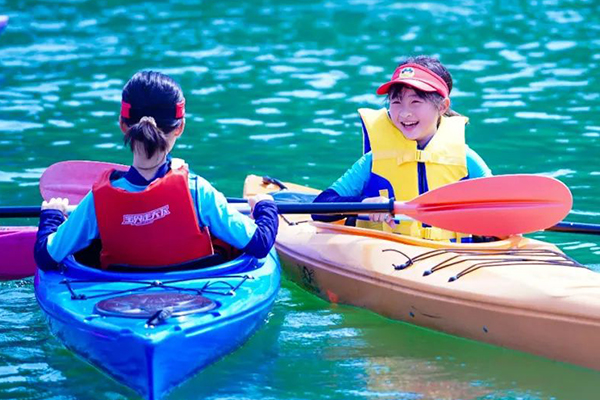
[[424, 156]]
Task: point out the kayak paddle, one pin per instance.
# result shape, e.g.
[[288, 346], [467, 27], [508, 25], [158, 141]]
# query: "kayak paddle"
[[34, 211], [492, 206], [73, 179]]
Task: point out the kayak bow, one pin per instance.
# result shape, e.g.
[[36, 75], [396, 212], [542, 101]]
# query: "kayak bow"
[[152, 330]]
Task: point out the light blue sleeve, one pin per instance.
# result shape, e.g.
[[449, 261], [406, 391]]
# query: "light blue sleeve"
[[76, 233], [224, 221], [355, 179], [476, 166]]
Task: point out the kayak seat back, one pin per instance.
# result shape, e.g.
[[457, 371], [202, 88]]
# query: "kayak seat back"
[[90, 256], [204, 262]]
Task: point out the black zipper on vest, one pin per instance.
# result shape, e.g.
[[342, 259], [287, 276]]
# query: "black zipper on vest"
[[422, 175], [422, 179]]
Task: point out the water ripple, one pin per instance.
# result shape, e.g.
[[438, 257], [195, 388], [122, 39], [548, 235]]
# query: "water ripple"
[[290, 75], [268, 137], [239, 121], [18, 126]]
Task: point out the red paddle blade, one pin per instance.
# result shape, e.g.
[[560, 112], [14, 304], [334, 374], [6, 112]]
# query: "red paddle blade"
[[16, 247], [493, 206], [73, 179]]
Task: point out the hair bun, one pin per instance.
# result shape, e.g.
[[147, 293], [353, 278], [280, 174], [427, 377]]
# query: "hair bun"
[[148, 120]]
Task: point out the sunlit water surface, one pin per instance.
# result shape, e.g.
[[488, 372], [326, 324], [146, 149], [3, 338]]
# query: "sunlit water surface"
[[272, 87]]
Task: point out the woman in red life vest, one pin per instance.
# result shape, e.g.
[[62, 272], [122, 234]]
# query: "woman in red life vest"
[[157, 213]]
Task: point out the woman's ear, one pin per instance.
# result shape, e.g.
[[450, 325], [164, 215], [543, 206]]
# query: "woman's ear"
[[123, 126], [177, 132], [444, 106]]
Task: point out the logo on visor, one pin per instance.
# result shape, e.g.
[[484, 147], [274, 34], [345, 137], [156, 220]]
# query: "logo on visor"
[[146, 218], [407, 72]]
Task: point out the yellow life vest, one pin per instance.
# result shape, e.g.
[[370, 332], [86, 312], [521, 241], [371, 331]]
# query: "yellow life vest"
[[395, 171]]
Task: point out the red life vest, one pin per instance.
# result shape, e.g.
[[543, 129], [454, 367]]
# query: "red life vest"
[[156, 227]]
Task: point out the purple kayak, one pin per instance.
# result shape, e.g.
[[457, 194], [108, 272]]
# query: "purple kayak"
[[16, 251]]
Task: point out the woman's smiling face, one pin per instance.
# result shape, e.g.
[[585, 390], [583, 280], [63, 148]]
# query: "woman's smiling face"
[[416, 117]]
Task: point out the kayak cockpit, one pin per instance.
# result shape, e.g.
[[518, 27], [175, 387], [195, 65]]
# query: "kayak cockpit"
[[90, 257]]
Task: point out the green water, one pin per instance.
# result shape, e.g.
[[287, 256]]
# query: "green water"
[[272, 87]]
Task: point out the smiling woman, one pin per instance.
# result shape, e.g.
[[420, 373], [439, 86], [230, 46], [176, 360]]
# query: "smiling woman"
[[416, 145], [412, 112]]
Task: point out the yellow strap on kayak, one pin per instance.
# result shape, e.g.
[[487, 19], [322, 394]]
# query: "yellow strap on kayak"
[[425, 156], [413, 228]]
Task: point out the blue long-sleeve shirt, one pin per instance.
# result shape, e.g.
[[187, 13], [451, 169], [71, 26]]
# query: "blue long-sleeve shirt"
[[58, 238], [350, 186]]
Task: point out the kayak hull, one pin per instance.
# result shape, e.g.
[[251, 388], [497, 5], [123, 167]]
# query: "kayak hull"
[[544, 334], [517, 293], [152, 360]]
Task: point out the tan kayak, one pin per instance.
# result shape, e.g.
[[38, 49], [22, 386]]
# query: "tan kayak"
[[518, 293]]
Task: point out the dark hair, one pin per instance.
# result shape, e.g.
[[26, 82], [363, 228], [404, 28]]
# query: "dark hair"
[[152, 97], [434, 65]]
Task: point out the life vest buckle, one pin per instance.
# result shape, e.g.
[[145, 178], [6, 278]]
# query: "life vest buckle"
[[427, 233], [422, 156]]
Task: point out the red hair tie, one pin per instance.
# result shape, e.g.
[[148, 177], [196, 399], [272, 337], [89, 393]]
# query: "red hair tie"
[[125, 107], [180, 109]]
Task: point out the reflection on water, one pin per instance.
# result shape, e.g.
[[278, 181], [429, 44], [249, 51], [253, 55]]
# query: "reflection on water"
[[272, 87]]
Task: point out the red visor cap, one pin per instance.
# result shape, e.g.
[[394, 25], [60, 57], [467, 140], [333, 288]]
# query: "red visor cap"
[[418, 77]]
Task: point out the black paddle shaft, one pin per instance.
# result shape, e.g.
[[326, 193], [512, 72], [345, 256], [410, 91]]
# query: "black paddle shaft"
[[20, 212], [334, 208], [282, 208], [575, 227]]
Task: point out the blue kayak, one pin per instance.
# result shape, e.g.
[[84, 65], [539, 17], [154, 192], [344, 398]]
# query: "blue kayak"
[[153, 330]]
